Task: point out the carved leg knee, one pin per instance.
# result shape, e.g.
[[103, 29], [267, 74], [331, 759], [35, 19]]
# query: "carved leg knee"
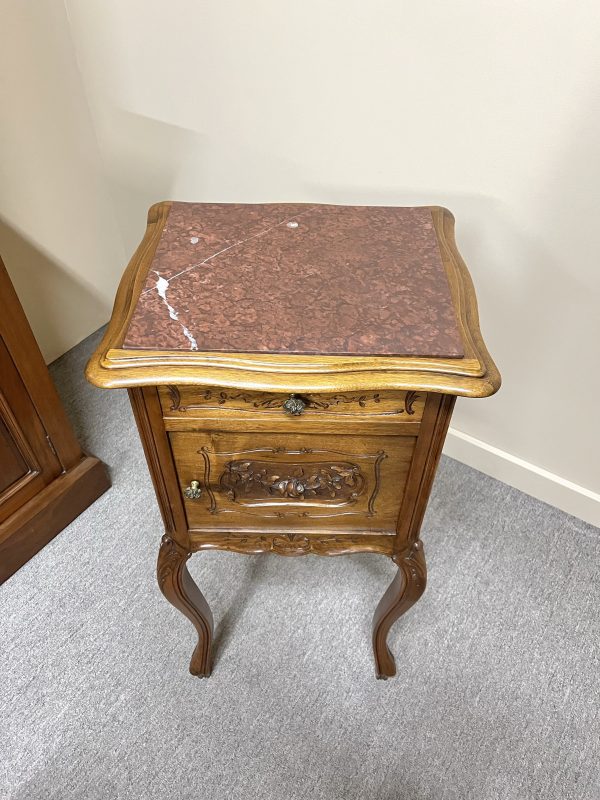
[[406, 588], [176, 583]]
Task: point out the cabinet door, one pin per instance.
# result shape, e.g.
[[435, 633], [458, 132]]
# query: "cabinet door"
[[291, 481], [27, 460]]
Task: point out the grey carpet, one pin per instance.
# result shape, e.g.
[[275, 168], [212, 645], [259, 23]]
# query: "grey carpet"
[[497, 693]]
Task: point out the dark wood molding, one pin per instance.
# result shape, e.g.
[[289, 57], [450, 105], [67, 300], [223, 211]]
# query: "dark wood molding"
[[24, 533], [60, 480], [18, 337], [294, 544]]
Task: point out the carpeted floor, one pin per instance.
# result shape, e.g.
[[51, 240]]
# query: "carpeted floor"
[[496, 698]]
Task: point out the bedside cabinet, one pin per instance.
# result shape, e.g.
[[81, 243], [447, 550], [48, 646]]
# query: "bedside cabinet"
[[292, 371]]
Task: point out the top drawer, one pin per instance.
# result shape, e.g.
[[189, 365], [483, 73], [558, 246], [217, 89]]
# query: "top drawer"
[[199, 401]]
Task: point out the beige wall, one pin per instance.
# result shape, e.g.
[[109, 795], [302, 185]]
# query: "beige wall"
[[491, 109], [58, 234]]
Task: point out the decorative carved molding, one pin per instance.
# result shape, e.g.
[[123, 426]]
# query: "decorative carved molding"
[[204, 452], [176, 583], [319, 403], [175, 396], [412, 562], [409, 401], [295, 544], [343, 399], [340, 482], [249, 481], [170, 558], [380, 455]]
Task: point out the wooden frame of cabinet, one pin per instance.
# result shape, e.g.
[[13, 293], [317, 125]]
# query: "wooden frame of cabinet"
[[51, 479]]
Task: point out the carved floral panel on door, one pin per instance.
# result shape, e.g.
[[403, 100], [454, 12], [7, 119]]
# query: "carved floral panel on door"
[[255, 481], [296, 483], [337, 479]]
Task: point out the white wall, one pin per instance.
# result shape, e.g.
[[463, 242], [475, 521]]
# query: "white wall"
[[491, 109], [58, 233]]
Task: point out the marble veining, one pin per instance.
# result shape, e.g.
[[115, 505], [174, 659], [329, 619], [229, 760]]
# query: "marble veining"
[[161, 287], [195, 240], [297, 278]]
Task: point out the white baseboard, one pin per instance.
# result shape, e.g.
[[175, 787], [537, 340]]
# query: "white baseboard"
[[522, 475]]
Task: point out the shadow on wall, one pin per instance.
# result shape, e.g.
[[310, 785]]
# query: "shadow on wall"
[[56, 302], [533, 298], [144, 159]]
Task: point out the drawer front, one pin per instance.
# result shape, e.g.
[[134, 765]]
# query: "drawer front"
[[240, 481], [197, 401]]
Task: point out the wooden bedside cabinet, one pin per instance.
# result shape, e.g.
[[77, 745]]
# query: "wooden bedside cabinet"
[[292, 370]]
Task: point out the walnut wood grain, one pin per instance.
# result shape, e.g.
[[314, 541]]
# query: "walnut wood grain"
[[48, 512], [294, 544], [26, 439], [403, 592], [185, 402], [147, 413], [377, 468], [176, 583], [436, 419]]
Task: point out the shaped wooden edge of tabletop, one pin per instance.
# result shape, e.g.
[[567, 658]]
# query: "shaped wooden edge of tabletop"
[[475, 375]]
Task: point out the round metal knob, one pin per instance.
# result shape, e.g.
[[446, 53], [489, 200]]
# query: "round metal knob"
[[294, 405], [193, 491]]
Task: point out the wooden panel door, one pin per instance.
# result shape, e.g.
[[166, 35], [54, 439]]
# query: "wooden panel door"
[[46, 479], [27, 460], [291, 481]]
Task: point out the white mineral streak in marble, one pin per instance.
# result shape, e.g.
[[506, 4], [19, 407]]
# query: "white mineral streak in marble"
[[162, 284], [236, 244]]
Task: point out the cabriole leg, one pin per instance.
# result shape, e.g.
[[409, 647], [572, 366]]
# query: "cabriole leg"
[[176, 583], [402, 593]]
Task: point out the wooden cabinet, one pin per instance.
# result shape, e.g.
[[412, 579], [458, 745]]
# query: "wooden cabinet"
[[45, 478], [293, 371]]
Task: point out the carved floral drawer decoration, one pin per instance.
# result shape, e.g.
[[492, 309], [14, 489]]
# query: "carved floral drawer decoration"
[[292, 371]]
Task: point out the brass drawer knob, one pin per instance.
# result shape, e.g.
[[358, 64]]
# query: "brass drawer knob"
[[193, 491], [294, 405]]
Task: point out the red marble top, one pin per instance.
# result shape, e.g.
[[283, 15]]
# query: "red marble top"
[[297, 278]]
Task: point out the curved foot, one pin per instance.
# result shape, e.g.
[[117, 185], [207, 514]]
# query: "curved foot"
[[176, 583], [402, 593]]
